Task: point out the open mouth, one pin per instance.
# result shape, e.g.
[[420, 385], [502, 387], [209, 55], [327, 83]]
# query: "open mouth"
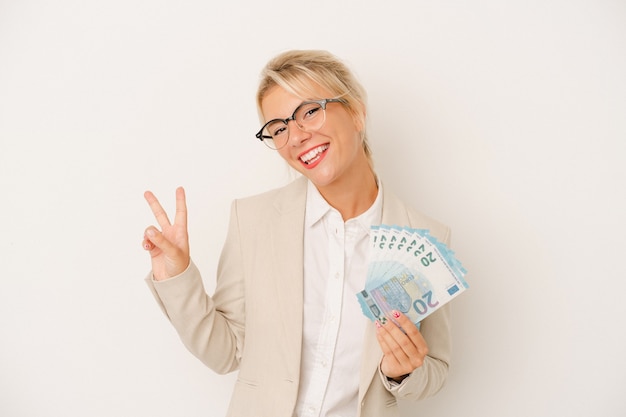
[[313, 155]]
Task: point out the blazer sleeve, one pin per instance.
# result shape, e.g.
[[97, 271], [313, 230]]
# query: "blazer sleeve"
[[212, 328]]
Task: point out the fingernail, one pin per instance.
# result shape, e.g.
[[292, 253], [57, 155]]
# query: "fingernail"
[[150, 233], [378, 324], [396, 314]]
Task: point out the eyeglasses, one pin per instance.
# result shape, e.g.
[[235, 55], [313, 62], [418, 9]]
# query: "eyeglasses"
[[309, 117]]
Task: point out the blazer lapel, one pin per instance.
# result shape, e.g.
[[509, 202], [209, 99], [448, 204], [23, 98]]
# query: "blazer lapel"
[[287, 240]]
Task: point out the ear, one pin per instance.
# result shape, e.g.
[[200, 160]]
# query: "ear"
[[359, 117]]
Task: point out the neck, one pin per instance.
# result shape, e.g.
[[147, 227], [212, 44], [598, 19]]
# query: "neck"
[[353, 196]]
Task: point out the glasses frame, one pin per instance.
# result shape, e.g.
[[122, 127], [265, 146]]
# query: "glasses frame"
[[323, 102]]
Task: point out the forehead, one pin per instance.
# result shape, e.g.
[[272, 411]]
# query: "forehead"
[[279, 103]]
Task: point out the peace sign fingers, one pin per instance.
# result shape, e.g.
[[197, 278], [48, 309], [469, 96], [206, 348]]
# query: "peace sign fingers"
[[168, 248], [157, 209]]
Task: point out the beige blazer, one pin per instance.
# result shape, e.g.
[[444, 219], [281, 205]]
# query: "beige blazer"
[[253, 322]]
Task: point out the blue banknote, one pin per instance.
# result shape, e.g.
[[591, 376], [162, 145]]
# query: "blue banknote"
[[409, 271]]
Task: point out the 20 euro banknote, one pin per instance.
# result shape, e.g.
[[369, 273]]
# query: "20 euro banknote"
[[409, 271]]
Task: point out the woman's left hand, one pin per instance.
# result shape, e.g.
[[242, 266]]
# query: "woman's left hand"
[[403, 352]]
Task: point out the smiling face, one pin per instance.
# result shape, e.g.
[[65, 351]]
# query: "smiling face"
[[331, 157]]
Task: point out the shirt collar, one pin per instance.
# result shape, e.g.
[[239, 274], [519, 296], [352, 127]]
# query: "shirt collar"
[[316, 206]]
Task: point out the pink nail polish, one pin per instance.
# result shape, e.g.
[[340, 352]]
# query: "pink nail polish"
[[378, 324], [396, 314]]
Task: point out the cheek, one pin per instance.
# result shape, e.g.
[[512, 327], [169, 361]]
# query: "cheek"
[[284, 153], [347, 129], [287, 157]]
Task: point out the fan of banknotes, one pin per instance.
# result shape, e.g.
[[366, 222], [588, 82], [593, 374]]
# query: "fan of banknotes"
[[409, 271]]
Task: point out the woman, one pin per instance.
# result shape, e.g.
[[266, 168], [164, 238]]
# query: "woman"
[[284, 312]]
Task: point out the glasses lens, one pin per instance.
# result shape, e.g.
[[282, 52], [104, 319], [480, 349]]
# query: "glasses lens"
[[310, 116], [275, 134]]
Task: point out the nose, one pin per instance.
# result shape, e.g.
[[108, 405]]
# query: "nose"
[[297, 136]]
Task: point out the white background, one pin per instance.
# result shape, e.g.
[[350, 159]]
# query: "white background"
[[505, 120]]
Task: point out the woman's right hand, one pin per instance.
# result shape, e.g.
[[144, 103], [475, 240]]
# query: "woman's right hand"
[[169, 247]]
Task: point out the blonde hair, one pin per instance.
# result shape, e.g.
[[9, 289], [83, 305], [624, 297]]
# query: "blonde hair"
[[300, 71]]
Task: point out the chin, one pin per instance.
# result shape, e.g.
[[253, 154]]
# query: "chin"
[[321, 181]]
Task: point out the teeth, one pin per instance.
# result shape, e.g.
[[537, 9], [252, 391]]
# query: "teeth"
[[307, 157]]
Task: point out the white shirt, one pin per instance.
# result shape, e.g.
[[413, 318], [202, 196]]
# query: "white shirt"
[[335, 267]]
